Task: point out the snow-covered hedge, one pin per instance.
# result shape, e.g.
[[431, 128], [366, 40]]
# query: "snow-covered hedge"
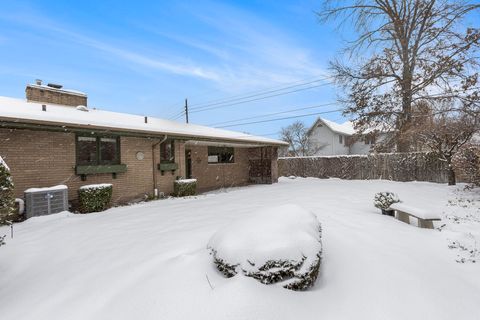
[[185, 187], [467, 163], [383, 200], [275, 245], [95, 197], [417, 166], [7, 198]]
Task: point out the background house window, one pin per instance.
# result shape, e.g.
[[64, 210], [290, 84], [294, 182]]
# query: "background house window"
[[369, 139], [109, 151], [220, 155], [87, 150], [167, 151], [340, 139], [96, 150]]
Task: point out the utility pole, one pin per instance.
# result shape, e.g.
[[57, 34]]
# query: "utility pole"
[[186, 110]]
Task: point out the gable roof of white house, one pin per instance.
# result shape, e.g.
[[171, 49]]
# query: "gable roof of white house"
[[22, 111], [345, 128]]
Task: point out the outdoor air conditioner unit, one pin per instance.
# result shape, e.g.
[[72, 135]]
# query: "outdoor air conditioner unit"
[[43, 201]]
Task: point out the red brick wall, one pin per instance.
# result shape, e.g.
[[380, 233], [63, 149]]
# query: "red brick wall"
[[214, 176], [43, 159], [55, 96], [165, 181]]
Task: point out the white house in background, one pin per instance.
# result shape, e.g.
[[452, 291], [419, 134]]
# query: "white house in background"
[[331, 138]]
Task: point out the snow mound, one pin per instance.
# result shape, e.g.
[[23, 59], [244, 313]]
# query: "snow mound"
[[96, 186], [275, 245], [185, 181], [4, 164], [45, 189]]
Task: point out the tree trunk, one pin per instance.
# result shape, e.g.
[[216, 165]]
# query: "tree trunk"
[[403, 143], [451, 174]]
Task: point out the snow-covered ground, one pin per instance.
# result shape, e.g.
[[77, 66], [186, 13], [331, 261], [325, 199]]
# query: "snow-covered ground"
[[149, 261]]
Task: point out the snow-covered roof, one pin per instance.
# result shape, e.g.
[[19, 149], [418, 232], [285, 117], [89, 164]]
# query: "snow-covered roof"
[[345, 128], [22, 111]]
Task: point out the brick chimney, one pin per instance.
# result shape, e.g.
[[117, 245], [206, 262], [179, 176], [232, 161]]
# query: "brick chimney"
[[53, 93]]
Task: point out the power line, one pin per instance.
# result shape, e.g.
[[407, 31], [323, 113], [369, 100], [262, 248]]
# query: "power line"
[[268, 134], [177, 115], [278, 119], [273, 114], [208, 102], [256, 99], [257, 93], [222, 102]]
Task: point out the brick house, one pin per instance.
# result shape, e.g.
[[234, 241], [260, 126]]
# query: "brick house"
[[53, 138]]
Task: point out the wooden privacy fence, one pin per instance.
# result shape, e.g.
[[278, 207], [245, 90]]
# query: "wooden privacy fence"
[[388, 166]]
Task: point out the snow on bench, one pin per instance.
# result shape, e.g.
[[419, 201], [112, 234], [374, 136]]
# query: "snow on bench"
[[425, 218]]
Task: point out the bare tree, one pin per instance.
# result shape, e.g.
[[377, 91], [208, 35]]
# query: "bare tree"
[[444, 132], [404, 51], [467, 162], [299, 141]]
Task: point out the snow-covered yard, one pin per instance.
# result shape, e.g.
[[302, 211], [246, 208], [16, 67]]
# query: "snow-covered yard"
[[149, 261]]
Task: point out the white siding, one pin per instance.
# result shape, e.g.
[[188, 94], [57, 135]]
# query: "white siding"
[[359, 147], [325, 138], [327, 142]]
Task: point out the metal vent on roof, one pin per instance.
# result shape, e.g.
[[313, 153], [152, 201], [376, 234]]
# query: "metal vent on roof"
[[45, 201], [82, 108]]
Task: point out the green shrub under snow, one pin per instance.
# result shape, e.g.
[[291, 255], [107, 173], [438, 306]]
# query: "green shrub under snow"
[[185, 187], [276, 246], [7, 198], [95, 197], [383, 200]]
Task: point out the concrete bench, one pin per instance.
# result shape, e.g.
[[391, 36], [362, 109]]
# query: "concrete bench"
[[425, 218]]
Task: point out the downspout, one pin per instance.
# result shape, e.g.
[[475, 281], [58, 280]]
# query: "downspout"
[[154, 170]]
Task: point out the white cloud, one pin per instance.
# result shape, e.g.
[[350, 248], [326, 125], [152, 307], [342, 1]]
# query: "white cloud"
[[259, 52], [248, 52], [180, 68], [245, 51]]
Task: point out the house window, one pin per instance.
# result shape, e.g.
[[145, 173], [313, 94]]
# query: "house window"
[[98, 150], [109, 151], [167, 151], [340, 139], [220, 155], [370, 139]]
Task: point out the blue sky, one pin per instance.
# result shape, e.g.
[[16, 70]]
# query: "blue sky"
[[146, 57]]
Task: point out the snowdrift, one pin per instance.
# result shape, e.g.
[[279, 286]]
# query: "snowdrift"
[[276, 245]]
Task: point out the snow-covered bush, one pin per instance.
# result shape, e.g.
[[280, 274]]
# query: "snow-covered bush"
[[466, 163], [185, 187], [95, 197], [383, 200], [7, 198], [275, 245]]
